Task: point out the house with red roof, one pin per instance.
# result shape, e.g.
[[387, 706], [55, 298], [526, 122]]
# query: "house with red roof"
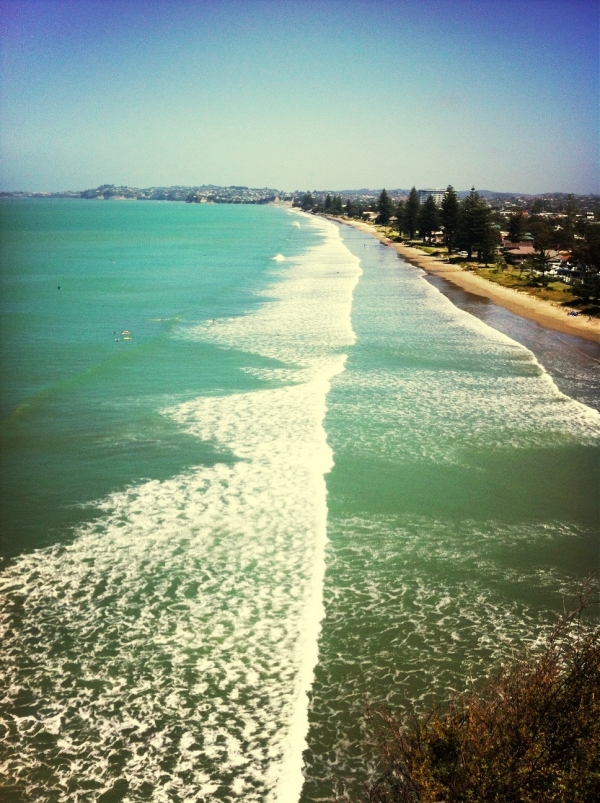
[[516, 253]]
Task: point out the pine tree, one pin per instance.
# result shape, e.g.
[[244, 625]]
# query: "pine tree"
[[411, 213], [489, 241], [429, 219], [476, 233], [328, 203], [385, 208], [568, 229], [400, 224], [450, 217], [307, 201], [516, 226]]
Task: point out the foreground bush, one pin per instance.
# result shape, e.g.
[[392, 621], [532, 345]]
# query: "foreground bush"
[[532, 735]]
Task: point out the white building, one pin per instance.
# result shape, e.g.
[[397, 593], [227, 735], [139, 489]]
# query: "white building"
[[438, 196]]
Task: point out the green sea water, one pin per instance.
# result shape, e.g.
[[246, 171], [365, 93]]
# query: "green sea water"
[[307, 482], [81, 405], [463, 504]]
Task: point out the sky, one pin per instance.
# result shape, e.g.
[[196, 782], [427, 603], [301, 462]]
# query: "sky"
[[300, 94]]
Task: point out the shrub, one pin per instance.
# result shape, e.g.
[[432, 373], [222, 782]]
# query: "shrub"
[[531, 735]]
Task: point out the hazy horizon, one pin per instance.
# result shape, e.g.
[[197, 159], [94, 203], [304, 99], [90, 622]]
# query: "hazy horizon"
[[295, 95], [459, 190]]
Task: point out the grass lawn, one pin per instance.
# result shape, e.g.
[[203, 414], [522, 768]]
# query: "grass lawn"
[[521, 280], [553, 291]]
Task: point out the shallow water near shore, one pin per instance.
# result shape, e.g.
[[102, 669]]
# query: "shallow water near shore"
[[462, 504], [572, 362], [307, 482]]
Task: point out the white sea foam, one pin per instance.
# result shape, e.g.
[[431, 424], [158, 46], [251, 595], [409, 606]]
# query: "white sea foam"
[[517, 351], [173, 642], [416, 607], [308, 317], [520, 412], [417, 604], [449, 382]]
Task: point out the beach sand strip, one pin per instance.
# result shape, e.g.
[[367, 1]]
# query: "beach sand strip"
[[545, 313]]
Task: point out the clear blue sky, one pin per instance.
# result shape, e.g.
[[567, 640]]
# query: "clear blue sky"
[[301, 95]]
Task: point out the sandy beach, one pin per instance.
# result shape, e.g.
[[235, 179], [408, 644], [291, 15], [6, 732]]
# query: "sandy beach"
[[545, 313]]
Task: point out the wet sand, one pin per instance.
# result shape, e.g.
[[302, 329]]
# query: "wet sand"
[[545, 313]]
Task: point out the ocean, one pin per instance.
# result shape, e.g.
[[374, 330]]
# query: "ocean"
[[258, 474]]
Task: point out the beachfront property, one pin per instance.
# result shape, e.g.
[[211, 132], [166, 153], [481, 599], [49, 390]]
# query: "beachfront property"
[[517, 253], [437, 194]]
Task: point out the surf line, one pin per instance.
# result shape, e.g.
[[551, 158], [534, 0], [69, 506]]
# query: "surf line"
[[306, 326], [291, 781], [271, 504]]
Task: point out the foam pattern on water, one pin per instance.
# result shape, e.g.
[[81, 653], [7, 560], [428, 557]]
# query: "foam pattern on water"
[[168, 650], [428, 380], [415, 609], [403, 422], [307, 317], [455, 520]]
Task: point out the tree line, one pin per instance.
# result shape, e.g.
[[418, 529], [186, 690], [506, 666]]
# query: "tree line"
[[467, 225], [471, 225]]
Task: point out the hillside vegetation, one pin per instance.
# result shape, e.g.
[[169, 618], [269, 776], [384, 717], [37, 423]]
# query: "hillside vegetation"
[[531, 735]]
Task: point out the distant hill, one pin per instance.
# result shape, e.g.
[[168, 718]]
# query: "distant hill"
[[239, 194], [205, 193]]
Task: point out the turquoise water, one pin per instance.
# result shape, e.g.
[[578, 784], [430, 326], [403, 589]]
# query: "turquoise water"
[[307, 482], [82, 411]]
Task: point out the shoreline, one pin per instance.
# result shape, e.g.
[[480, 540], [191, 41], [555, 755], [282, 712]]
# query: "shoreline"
[[544, 313]]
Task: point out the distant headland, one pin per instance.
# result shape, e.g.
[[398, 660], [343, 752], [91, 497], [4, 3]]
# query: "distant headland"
[[237, 194], [206, 193]]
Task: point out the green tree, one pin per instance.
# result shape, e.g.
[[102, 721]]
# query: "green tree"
[[564, 236], [307, 201], [542, 241], [336, 205], [450, 217], [385, 208], [571, 209], [328, 203], [516, 226], [541, 263], [588, 251], [429, 219], [587, 287], [399, 212], [542, 233], [489, 242], [350, 208], [537, 206], [476, 232], [587, 255], [411, 213]]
